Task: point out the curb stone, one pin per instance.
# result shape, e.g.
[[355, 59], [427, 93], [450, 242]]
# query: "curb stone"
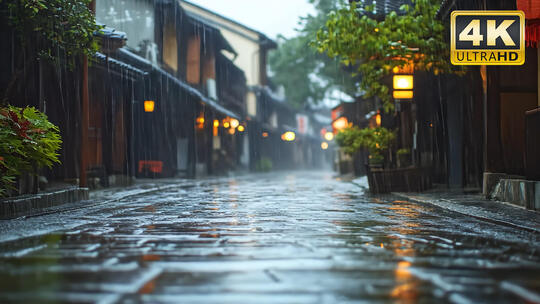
[[71, 206]]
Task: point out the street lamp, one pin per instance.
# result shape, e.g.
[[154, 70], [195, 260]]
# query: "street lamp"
[[329, 136], [288, 136], [403, 86], [324, 145], [340, 124], [241, 128], [234, 123]]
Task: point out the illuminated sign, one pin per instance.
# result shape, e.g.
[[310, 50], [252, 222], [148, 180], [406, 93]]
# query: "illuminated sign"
[[302, 123], [487, 38]]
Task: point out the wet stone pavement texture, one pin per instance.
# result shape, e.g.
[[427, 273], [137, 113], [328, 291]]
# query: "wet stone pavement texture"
[[301, 237]]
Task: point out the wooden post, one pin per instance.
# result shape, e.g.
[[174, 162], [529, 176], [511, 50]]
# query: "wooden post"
[[84, 125], [85, 116]]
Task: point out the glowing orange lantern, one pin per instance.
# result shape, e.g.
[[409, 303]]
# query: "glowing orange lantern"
[[149, 106], [329, 136], [340, 124], [403, 94], [403, 82], [288, 136]]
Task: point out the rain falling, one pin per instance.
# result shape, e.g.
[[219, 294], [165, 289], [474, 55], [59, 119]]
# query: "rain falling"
[[247, 151]]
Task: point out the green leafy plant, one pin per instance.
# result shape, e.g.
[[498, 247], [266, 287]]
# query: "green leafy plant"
[[264, 165], [403, 157], [376, 140], [65, 25], [403, 152], [315, 76], [58, 31], [28, 141], [376, 46]]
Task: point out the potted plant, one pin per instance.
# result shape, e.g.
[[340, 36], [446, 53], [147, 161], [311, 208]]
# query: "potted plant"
[[376, 140], [264, 165], [403, 158], [376, 160]]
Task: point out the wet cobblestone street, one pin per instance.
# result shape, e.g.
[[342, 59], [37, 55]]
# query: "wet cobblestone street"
[[301, 237]]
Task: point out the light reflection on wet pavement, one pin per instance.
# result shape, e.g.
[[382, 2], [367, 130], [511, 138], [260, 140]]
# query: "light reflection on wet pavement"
[[299, 237]]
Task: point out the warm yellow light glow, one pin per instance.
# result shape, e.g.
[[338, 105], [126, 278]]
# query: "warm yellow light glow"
[[403, 82], [288, 136], [340, 124], [234, 123], [376, 30], [215, 130], [329, 136], [403, 271], [265, 134], [241, 128], [149, 106], [378, 119], [324, 145], [226, 124], [403, 94], [232, 131], [200, 121]]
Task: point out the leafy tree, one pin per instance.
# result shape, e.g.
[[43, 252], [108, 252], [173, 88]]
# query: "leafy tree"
[[47, 30], [308, 76], [377, 46], [65, 25]]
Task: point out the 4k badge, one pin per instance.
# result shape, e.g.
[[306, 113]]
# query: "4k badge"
[[487, 37]]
